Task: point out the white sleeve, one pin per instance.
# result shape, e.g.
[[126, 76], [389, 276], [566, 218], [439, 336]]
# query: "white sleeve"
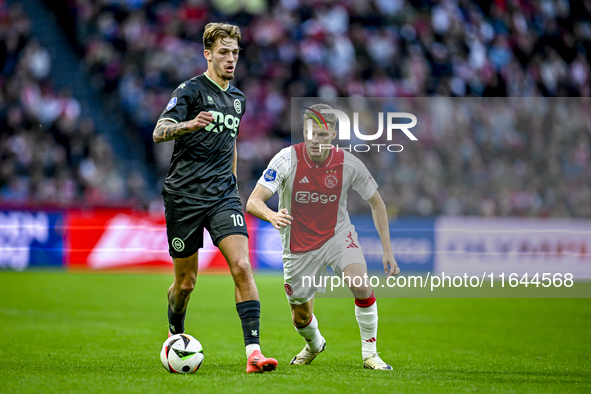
[[277, 170], [362, 181]]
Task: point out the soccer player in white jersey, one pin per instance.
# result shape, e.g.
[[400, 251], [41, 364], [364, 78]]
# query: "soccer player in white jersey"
[[312, 181]]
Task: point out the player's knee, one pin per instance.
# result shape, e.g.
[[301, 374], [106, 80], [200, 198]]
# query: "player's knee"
[[241, 271], [186, 286], [186, 289], [361, 292], [301, 318]]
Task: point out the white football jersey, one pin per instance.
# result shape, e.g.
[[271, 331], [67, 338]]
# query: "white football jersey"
[[315, 194]]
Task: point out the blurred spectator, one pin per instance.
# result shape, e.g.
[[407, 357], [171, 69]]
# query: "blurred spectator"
[[48, 153]]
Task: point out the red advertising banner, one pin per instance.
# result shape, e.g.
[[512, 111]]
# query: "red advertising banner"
[[115, 240]]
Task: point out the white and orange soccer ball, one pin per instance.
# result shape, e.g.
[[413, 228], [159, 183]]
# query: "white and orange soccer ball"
[[181, 353]]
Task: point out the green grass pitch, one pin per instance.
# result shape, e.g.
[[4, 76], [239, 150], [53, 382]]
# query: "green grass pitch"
[[80, 332]]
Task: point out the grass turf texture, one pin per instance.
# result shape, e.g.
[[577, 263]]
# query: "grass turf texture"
[[66, 332]]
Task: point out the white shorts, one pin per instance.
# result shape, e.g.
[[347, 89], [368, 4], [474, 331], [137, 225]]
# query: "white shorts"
[[304, 272]]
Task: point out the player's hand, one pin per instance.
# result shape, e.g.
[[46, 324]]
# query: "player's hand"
[[390, 266], [201, 120], [280, 219]]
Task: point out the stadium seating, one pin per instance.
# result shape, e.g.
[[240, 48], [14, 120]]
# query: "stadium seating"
[[49, 153], [139, 51]]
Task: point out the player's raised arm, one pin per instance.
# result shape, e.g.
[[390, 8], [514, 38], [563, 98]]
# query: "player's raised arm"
[[167, 130], [380, 219], [256, 206]]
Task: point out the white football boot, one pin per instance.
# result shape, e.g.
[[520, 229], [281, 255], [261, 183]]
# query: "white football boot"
[[375, 362], [306, 355]]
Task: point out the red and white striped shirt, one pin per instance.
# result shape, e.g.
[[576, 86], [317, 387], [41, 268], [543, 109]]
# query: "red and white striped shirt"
[[315, 194]]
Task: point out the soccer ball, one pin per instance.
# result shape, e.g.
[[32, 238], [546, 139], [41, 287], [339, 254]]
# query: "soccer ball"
[[181, 353]]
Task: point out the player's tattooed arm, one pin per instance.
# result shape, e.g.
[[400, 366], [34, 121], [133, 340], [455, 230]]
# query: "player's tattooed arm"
[[167, 130]]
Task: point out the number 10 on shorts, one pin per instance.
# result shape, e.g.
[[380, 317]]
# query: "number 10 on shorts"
[[238, 220]]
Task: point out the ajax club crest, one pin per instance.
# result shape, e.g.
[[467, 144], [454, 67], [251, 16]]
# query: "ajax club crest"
[[330, 180]]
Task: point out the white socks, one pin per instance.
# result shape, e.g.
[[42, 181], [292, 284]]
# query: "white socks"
[[367, 318], [311, 334], [252, 348]]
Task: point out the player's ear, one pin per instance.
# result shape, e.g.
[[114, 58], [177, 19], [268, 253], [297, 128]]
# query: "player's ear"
[[207, 54]]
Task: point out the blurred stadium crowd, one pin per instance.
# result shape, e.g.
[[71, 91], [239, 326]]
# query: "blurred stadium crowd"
[[482, 156], [138, 51], [48, 153]]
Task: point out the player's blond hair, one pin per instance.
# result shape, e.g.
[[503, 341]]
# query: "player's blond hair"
[[331, 119], [217, 31]]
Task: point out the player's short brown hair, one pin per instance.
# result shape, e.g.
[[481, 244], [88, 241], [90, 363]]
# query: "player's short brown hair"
[[331, 119], [215, 31]]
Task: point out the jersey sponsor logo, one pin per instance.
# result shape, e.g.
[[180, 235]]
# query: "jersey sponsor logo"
[[209, 100], [178, 244], [331, 181], [270, 175], [229, 121], [171, 104], [304, 180], [288, 289], [238, 106], [307, 197]]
